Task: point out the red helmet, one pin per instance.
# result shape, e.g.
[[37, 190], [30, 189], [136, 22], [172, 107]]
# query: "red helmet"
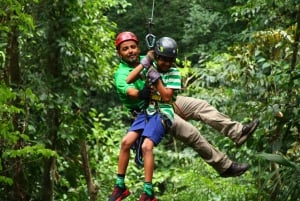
[[125, 36]]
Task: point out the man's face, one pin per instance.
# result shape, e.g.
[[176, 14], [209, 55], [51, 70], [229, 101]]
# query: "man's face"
[[129, 52]]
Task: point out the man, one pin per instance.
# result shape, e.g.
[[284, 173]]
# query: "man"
[[134, 96]]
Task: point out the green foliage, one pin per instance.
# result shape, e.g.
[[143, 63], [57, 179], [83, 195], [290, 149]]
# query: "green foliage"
[[206, 28], [237, 57], [256, 79], [68, 76], [253, 13], [9, 136], [30, 151], [189, 178], [2, 59], [285, 176]]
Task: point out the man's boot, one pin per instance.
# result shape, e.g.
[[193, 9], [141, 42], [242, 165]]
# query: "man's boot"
[[235, 170], [247, 131]]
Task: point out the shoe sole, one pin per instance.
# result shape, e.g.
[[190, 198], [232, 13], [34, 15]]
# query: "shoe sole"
[[123, 196], [154, 199], [244, 138]]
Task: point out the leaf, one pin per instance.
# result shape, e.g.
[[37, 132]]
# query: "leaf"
[[6, 180], [277, 159]]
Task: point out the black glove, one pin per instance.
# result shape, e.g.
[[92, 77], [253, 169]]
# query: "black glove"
[[144, 93]]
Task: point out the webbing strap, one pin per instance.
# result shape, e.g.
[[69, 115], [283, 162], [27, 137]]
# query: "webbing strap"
[[138, 159], [158, 98]]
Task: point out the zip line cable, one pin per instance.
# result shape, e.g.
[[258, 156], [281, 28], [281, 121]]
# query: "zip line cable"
[[152, 15], [150, 38], [149, 20]]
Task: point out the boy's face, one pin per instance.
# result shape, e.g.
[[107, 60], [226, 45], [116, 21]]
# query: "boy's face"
[[164, 63], [129, 52]]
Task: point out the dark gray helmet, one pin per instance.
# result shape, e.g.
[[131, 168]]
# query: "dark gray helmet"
[[166, 47]]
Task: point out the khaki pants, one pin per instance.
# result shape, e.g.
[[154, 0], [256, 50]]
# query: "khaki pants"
[[188, 108]]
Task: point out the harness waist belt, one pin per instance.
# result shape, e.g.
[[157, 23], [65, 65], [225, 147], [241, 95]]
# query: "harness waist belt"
[[158, 98]]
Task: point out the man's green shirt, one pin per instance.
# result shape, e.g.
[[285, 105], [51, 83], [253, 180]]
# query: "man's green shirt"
[[122, 86]]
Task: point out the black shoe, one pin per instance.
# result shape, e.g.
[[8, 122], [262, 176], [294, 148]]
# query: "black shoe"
[[247, 132], [119, 194], [235, 170]]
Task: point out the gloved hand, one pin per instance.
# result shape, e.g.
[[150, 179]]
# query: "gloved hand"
[[153, 75], [144, 93], [148, 59]]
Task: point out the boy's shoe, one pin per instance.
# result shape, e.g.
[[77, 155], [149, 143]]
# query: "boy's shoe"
[[146, 197], [119, 194]]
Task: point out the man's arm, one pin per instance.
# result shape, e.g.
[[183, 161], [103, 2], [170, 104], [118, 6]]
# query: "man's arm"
[[145, 63], [134, 74], [132, 93]]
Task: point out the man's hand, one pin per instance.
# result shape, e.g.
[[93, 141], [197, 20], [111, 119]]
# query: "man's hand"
[[145, 93], [152, 75], [148, 59]]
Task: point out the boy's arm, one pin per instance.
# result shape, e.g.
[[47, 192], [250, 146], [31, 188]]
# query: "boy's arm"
[[165, 93], [167, 90]]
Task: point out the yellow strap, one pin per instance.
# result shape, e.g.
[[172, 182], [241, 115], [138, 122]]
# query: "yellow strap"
[[158, 98]]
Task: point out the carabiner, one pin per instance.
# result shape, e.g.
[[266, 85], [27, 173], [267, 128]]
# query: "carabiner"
[[150, 41]]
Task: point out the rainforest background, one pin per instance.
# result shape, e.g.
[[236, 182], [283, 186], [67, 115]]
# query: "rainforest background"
[[61, 121]]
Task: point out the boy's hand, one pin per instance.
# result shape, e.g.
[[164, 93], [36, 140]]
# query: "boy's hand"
[[153, 75], [148, 59]]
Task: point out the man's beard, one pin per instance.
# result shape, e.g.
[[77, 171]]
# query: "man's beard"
[[133, 62]]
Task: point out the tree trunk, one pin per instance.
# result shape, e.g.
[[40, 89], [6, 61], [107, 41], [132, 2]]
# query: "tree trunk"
[[13, 78], [12, 75], [92, 187], [48, 182], [50, 164]]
